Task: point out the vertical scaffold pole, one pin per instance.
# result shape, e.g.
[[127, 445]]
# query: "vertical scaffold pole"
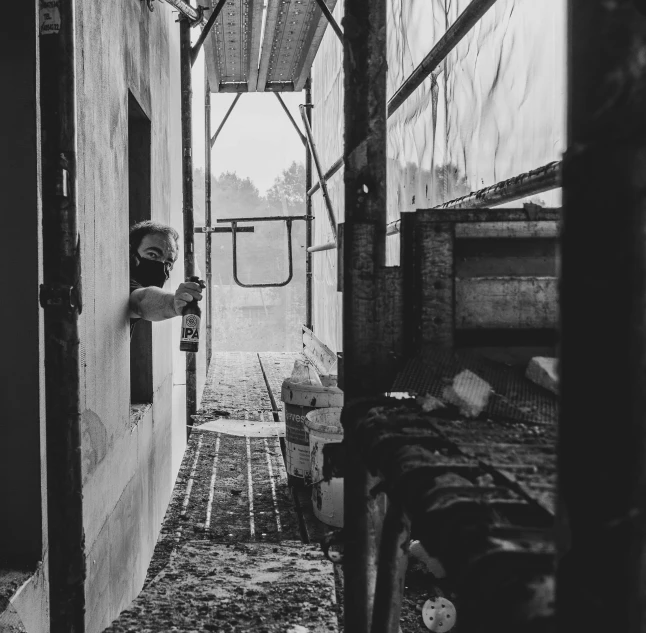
[[207, 206], [187, 188], [61, 300], [308, 211], [602, 435], [364, 254]]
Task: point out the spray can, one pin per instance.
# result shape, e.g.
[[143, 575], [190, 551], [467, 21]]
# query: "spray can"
[[191, 316]]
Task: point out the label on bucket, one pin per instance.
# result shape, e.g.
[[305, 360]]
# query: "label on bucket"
[[295, 430], [297, 441], [298, 460]]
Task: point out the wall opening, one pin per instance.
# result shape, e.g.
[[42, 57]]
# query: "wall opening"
[[139, 209]]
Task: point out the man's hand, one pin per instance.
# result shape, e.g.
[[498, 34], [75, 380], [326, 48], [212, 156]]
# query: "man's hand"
[[185, 293]]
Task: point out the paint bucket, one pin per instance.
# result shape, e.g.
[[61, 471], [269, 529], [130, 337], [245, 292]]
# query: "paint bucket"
[[324, 426], [300, 398]]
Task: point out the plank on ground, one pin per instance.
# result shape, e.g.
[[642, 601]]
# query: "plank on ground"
[[278, 366], [235, 384]]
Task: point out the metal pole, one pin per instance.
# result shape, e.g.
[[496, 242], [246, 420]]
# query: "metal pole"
[[207, 205], [291, 118], [319, 170], [527, 184], [226, 116], [330, 18], [465, 22], [308, 213], [61, 300], [328, 174], [602, 430], [187, 188], [364, 254]]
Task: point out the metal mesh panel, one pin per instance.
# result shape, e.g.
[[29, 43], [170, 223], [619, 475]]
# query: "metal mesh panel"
[[514, 398]]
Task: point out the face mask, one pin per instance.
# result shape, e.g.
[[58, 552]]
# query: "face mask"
[[149, 272]]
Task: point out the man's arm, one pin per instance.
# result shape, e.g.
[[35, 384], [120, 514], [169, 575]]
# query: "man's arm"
[[155, 304]]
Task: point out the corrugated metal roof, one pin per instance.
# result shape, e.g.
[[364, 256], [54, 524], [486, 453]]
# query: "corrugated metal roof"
[[263, 47]]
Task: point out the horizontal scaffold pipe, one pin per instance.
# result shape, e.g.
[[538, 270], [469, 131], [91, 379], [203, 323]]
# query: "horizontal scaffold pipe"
[[465, 22], [528, 184], [187, 10], [327, 175]]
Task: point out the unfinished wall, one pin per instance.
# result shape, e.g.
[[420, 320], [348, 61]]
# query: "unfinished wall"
[[129, 463], [494, 109]]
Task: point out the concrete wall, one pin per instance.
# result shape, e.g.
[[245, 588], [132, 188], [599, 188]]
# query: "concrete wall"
[[128, 467]]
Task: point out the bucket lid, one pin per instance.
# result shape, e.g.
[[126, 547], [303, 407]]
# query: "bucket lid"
[[325, 420]]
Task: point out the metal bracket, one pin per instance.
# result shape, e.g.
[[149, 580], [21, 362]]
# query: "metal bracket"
[[195, 49], [276, 218], [60, 296], [234, 226]]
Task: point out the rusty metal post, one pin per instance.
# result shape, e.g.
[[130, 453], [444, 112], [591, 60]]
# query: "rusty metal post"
[[61, 299], [308, 212], [187, 189], [364, 255], [602, 435], [207, 206]]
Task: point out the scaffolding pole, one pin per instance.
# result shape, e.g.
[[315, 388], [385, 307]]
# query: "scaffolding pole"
[[364, 255], [60, 298], [187, 189], [308, 213], [602, 429], [208, 238]]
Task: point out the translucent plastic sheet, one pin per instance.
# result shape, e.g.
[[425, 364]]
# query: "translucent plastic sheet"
[[495, 108]]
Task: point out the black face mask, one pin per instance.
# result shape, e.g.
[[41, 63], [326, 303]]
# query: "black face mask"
[[149, 272]]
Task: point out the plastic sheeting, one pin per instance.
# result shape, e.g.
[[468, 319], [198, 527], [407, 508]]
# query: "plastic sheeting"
[[493, 109]]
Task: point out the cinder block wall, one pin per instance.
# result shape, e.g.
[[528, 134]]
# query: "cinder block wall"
[[128, 468]]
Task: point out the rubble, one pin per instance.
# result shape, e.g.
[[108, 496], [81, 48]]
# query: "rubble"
[[544, 372], [469, 393]]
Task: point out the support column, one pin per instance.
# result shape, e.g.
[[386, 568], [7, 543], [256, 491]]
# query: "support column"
[[207, 206], [364, 255], [61, 299], [602, 439], [187, 188], [308, 212]]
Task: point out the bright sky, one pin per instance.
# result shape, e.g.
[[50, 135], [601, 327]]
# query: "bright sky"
[[257, 141]]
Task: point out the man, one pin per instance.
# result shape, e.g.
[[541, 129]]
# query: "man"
[[153, 251]]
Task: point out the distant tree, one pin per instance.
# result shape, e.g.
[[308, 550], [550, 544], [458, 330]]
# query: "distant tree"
[[288, 189]]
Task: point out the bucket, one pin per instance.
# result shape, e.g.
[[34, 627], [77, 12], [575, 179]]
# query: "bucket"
[[324, 426], [300, 399]]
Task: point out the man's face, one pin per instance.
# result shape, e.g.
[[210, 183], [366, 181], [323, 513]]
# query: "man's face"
[[158, 247]]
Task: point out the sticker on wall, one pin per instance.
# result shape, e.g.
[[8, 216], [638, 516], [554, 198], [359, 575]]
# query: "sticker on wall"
[[50, 17]]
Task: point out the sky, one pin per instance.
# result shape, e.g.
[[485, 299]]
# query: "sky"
[[257, 141]]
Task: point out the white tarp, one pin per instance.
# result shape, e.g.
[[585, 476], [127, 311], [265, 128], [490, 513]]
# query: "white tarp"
[[494, 109]]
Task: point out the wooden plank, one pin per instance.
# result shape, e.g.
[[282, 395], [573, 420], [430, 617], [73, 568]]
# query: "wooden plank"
[[319, 354], [268, 39], [256, 11], [484, 230], [278, 366], [435, 279], [490, 215], [506, 302], [236, 385]]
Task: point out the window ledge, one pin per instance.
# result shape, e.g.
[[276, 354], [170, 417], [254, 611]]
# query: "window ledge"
[[137, 413]]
